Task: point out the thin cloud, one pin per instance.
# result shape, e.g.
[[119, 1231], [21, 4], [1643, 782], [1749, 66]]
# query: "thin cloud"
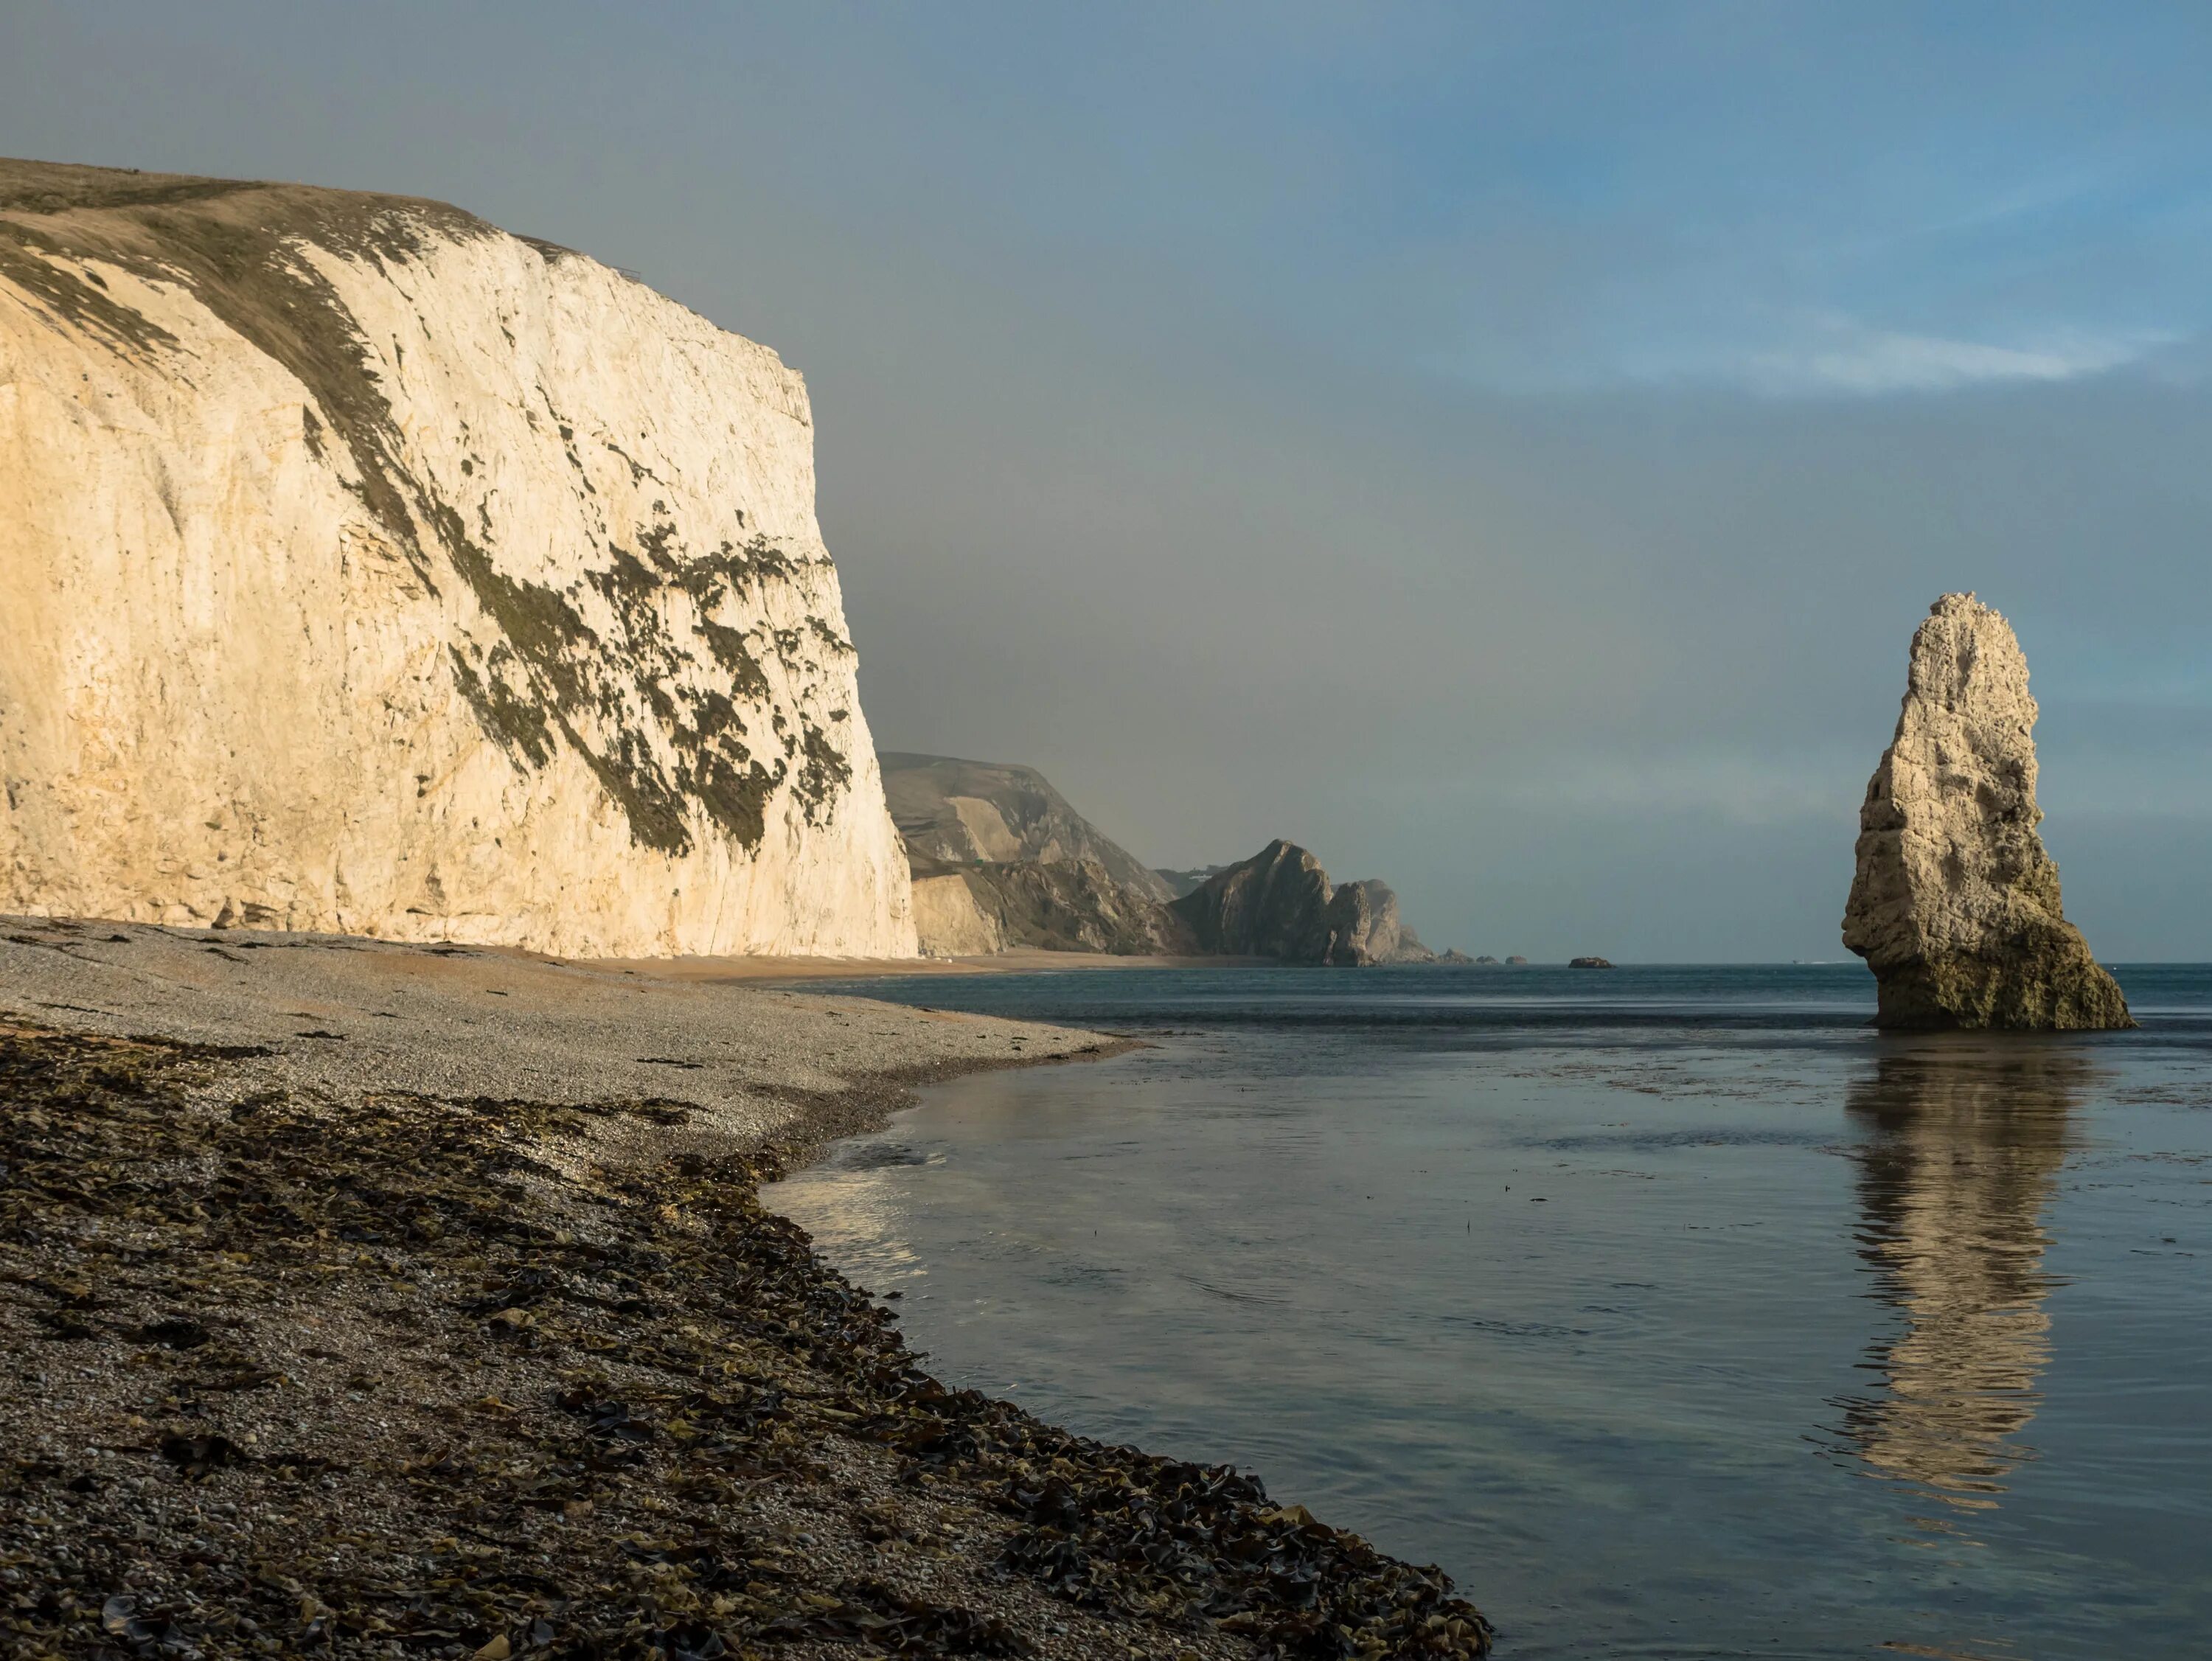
[[1844, 357]]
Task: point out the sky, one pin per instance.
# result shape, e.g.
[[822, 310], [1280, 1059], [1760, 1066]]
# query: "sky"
[[1504, 448]]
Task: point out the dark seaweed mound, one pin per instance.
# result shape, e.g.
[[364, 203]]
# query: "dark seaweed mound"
[[497, 1378]]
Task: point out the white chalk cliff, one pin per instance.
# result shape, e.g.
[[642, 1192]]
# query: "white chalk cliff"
[[366, 568], [949, 922], [1955, 903]]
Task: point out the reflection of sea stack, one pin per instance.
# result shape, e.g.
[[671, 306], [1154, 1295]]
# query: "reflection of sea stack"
[[1965, 1148], [1955, 904]]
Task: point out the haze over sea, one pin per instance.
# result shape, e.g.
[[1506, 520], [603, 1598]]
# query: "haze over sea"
[[1673, 1310]]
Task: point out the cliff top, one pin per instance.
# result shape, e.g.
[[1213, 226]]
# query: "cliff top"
[[55, 187], [203, 227], [221, 238]]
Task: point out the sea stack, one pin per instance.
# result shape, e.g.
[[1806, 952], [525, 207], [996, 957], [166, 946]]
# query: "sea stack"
[[1955, 904]]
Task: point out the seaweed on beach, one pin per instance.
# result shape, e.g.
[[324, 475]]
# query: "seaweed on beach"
[[413, 1377]]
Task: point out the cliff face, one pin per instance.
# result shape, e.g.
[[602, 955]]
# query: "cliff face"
[[1279, 903], [970, 813], [1954, 903], [366, 568], [1003, 861], [948, 919], [1272, 905], [1365, 917], [1053, 906]]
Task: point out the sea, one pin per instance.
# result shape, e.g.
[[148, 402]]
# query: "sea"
[[1673, 1310]]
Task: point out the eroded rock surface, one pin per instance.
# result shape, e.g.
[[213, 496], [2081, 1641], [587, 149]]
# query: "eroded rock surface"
[[368, 569], [1000, 812], [1053, 906], [948, 920], [1273, 904], [1955, 905], [1002, 862], [1364, 917], [1280, 904]]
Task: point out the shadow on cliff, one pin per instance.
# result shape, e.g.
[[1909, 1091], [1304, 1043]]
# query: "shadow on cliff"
[[1964, 1141]]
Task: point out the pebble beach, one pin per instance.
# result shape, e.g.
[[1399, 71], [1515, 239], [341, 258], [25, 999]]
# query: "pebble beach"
[[417, 1300]]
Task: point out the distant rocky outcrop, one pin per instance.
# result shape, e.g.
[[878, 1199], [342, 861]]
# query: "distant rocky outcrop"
[[1955, 904], [1366, 913], [1589, 963], [1273, 905], [1279, 903], [1485, 959], [1001, 862], [1053, 906], [1523, 961], [968, 813], [1458, 959]]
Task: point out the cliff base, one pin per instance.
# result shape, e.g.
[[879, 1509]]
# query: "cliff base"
[[2050, 984]]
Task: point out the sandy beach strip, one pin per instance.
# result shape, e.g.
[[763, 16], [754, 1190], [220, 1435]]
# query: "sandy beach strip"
[[1022, 961], [417, 1300]]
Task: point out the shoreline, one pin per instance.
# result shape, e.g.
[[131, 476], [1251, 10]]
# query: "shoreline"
[[419, 1299], [870, 1103], [1025, 960]]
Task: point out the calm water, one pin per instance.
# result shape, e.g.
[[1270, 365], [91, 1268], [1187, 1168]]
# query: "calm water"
[[1672, 1310]]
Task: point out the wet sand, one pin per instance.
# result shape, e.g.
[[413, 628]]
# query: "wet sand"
[[417, 1300]]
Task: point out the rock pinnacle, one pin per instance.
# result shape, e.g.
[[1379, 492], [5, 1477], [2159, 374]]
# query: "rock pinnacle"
[[1955, 904]]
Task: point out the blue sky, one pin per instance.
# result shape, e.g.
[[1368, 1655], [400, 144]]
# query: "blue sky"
[[1506, 447]]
